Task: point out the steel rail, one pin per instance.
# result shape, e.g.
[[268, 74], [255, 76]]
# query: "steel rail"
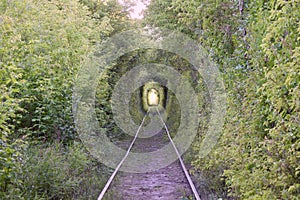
[[187, 175], [122, 161]]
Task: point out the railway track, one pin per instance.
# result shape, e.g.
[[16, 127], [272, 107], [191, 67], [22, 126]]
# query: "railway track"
[[186, 174]]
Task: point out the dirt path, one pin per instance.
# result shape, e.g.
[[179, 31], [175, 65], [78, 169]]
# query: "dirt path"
[[168, 183]]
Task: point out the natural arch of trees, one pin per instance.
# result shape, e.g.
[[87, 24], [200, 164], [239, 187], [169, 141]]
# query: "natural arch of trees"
[[255, 44]]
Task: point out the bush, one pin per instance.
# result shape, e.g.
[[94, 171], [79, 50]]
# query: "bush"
[[43, 43], [57, 172], [256, 45]]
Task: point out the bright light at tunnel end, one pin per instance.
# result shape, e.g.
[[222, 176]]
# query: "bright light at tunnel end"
[[95, 64], [152, 97]]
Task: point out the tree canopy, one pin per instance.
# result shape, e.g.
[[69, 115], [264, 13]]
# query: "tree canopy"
[[255, 44]]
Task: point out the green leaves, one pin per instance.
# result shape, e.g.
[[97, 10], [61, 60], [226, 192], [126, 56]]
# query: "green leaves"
[[41, 48], [256, 45], [48, 43]]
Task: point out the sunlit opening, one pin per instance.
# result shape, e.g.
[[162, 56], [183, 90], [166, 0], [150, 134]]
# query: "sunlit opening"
[[137, 8], [153, 97]]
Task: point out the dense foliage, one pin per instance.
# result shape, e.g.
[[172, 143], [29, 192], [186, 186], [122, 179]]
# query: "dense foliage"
[[256, 45], [42, 46]]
